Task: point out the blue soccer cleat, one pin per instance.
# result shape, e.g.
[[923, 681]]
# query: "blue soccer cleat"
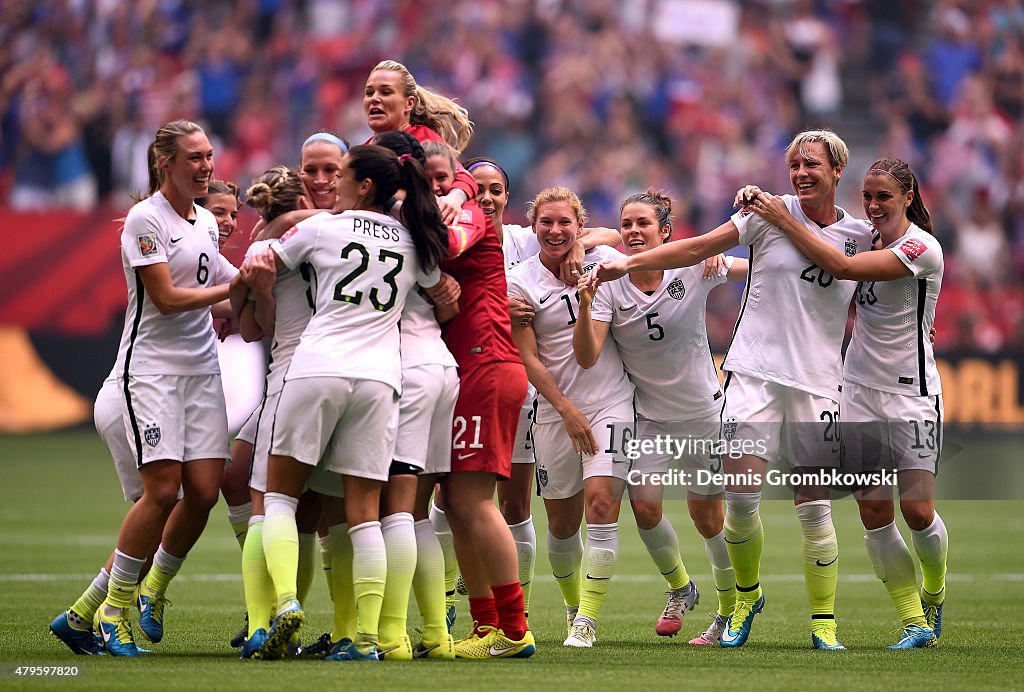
[[346, 650], [116, 633], [916, 637], [254, 643], [449, 618], [287, 622], [737, 627], [82, 642], [933, 616], [151, 616]]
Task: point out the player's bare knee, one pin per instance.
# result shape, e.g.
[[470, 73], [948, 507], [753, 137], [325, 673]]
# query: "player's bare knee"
[[919, 514], [875, 515], [515, 511], [648, 514]]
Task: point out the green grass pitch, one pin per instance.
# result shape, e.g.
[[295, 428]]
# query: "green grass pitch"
[[62, 506]]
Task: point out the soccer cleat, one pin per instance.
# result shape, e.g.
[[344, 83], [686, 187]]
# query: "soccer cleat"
[[82, 642], [151, 616], [449, 618], [443, 650], [679, 601], [737, 627], [916, 637], [318, 649], [397, 650], [713, 634], [460, 586], [287, 622], [116, 632], [933, 616], [570, 617], [239, 638], [501, 646], [254, 643], [346, 650], [473, 646], [823, 636], [581, 636]]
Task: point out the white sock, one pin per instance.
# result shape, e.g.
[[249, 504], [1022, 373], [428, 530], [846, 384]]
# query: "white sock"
[[525, 536]]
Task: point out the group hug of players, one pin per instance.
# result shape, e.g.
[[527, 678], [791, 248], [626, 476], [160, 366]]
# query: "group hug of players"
[[425, 355]]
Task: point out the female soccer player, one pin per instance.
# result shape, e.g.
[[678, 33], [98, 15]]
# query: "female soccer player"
[[492, 388], [577, 474], [392, 100], [892, 396], [222, 200], [656, 319], [281, 308], [174, 412], [347, 369], [784, 372]]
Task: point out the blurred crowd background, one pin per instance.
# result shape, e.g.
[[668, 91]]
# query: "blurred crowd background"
[[696, 97]]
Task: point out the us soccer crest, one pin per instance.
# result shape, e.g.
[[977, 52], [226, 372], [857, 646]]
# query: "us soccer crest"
[[676, 289], [851, 247], [152, 435], [729, 428], [542, 476]]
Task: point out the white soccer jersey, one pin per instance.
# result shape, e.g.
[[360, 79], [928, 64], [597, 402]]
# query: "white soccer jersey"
[[182, 343], [365, 265], [421, 335], [517, 244], [793, 319], [891, 349], [663, 342], [557, 306], [293, 306]]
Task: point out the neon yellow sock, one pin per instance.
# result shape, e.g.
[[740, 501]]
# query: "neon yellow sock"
[[307, 566], [820, 555], [341, 576], [932, 546], [259, 587], [281, 546], [240, 528], [369, 575], [744, 538], [599, 557], [566, 557], [400, 546], [428, 582], [663, 547], [893, 564]]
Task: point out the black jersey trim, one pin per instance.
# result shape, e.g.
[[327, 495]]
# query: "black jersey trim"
[[140, 297], [746, 294], [922, 298]]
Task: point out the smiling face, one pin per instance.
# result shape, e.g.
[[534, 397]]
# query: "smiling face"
[[492, 195], [384, 101], [813, 178], [224, 207], [319, 168], [886, 204], [557, 227], [638, 225], [440, 174], [187, 174], [351, 192]]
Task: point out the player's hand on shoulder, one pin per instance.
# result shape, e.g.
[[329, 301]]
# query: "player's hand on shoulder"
[[715, 266], [520, 311], [745, 195], [571, 268]]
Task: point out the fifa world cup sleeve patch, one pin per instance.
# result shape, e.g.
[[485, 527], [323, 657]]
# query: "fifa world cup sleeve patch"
[[147, 245], [913, 249], [289, 233]]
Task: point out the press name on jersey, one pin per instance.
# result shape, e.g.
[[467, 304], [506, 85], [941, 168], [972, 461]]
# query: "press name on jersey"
[[677, 447], [377, 230], [773, 477]]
